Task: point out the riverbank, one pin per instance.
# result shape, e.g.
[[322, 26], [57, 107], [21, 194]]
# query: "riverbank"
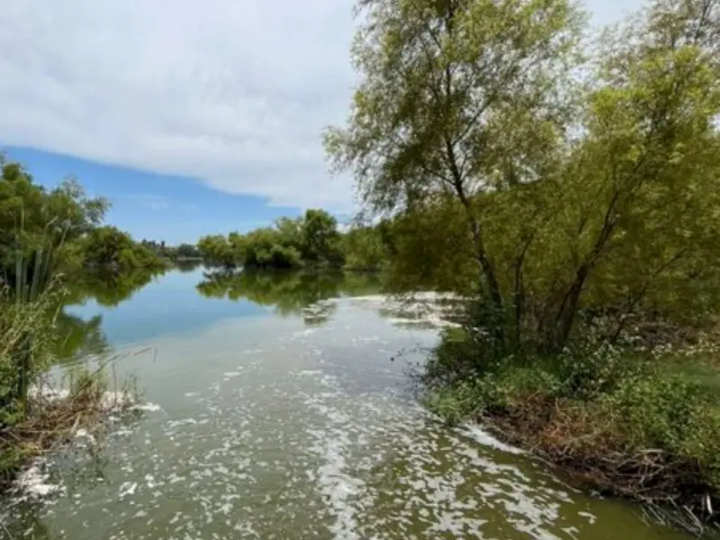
[[40, 413], [55, 417], [633, 422]]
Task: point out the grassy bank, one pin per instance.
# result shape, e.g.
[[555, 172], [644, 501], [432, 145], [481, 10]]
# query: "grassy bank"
[[638, 418], [54, 418], [38, 414], [37, 417]]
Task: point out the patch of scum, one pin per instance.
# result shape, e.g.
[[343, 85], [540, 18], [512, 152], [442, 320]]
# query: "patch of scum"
[[428, 308], [446, 487], [331, 445]]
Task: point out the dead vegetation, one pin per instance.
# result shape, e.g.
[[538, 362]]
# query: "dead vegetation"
[[589, 448], [57, 412]]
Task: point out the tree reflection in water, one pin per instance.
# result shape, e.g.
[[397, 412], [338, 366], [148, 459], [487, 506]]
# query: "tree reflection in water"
[[79, 337], [290, 293]]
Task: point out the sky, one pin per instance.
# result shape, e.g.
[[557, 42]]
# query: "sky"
[[193, 117]]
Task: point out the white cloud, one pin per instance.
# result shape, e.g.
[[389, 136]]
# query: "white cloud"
[[232, 92]]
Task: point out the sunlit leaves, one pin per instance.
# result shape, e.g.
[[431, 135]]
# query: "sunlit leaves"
[[586, 188]]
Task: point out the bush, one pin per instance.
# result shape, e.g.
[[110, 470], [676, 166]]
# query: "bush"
[[664, 411], [626, 423]]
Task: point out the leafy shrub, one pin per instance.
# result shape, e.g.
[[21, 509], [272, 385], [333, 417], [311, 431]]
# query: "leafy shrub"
[[667, 412]]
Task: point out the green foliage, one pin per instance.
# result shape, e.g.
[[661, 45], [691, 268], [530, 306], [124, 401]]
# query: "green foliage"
[[364, 248], [270, 248], [46, 235], [110, 249], [320, 238], [310, 240], [187, 251], [456, 404], [27, 333], [217, 251], [57, 230], [665, 411], [651, 431], [40, 226], [550, 195]]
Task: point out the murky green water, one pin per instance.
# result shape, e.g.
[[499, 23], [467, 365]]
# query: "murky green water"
[[274, 409]]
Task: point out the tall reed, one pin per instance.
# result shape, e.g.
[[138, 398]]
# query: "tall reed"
[[30, 294]]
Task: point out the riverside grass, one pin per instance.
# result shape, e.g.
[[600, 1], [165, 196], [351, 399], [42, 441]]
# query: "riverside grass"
[[632, 419], [35, 418]]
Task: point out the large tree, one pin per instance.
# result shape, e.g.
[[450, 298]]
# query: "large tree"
[[216, 250], [39, 226], [578, 187], [458, 97]]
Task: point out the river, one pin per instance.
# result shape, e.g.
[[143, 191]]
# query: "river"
[[279, 407]]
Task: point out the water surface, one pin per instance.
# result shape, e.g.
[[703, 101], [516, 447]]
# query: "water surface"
[[278, 407]]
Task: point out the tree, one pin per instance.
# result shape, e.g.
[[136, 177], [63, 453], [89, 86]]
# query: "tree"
[[573, 197], [458, 98], [40, 226], [320, 238], [289, 243], [187, 251], [645, 176], [109, 248], [268, 248], [217, 251], [363, 248]]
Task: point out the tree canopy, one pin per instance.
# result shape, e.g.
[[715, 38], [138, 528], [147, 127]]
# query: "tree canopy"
[[310, 240], [43, 231], [567, 184]]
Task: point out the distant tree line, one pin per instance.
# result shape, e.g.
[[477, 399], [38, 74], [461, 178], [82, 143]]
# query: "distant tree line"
[[182, 251], [311, 240]]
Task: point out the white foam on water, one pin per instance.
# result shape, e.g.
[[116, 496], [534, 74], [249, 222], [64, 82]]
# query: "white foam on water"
[[33, 483], [424, 308], [148, 407], [184, 422], [341, 461], [481, 436], [127, 489], [84, 434], [109, 401], [231, 375], [304, 333], [334, 483], [309, 372], [48, 393]]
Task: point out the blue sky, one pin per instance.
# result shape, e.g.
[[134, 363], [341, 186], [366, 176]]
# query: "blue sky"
[[155, 206], [191, 117]]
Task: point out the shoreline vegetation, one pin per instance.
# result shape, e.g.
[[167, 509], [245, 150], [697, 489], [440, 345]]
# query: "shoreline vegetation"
[[569, 183], [40, 415], [627, 420], [47, 236]]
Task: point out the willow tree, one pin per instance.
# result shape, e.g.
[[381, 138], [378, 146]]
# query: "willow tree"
[[458, 98], [580, 188], [641, 193]]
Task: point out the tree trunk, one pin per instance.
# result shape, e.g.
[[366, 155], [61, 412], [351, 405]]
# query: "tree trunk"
[[569, 308]]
